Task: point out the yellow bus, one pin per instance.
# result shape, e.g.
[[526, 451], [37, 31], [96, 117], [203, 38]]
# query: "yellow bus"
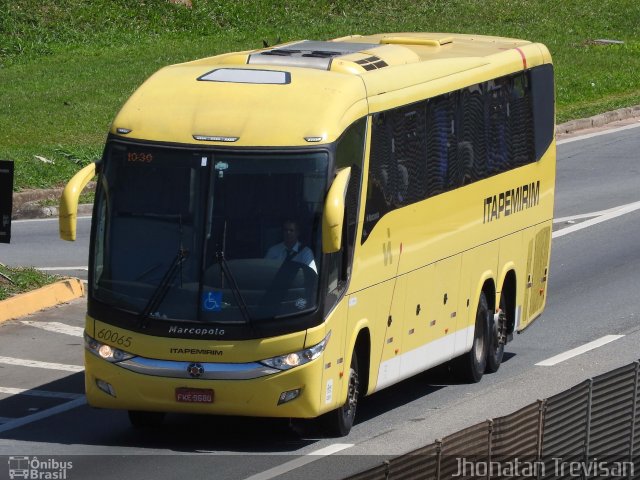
[[283, 231]]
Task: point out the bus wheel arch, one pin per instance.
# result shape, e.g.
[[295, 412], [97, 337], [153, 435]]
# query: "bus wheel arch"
[[489, 290], [508, 301], [362, 349], [338, 422]]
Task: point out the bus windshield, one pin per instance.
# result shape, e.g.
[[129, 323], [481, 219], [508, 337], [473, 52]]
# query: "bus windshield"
[[208, 236]]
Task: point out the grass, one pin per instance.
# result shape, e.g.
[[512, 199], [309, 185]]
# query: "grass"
[[85, 198], [66, 67], [15, 280]]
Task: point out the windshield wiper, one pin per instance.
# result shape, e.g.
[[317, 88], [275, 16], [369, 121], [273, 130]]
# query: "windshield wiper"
[[237, 294], [224, 266], [163, 287]]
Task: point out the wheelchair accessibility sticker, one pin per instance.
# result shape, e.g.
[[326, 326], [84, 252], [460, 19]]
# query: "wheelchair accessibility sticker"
[[212, 301]]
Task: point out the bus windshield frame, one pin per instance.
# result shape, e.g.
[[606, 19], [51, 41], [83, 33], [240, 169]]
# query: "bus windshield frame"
[[223, 239]]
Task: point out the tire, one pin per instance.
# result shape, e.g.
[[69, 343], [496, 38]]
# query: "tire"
[[338, 422], [471, 366], [141, 419], [495, 350]]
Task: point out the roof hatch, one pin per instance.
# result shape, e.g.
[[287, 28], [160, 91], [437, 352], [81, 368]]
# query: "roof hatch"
[[307, 53]]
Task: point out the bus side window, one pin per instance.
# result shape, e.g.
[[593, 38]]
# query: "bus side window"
[[471, 151], [411, 152], [498, 133], [521, 121], [440, 140]]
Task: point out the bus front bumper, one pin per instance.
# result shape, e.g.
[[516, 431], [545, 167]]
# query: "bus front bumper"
[[109, 385]]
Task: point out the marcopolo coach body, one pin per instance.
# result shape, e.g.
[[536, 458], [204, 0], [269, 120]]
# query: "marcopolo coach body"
[[279, 232]]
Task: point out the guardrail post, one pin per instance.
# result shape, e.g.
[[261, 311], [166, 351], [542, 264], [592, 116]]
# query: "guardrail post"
[[542, 407], [438, 458], [634, 414], [587, 439], [489, 445]]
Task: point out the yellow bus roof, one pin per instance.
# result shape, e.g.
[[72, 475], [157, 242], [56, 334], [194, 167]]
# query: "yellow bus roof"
[[307, 92]]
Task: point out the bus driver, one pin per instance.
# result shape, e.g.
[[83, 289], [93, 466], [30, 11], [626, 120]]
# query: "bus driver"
[[290, 248]]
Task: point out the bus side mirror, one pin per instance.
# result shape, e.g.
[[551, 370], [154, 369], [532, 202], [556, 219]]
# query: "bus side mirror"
[[68, 215], [333, 215]]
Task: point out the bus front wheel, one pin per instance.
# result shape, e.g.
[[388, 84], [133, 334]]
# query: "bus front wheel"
[[338, 423]]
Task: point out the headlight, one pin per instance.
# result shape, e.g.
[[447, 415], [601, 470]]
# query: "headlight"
[[295, 359], [106, 352]]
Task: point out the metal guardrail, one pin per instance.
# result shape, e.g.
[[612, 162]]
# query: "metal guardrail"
[[590, 431]]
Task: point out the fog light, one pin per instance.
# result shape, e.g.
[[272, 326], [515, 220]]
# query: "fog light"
[[288, 396], [105, 387]]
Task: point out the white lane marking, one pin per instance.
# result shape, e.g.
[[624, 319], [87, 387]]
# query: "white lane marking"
[[56, 327], [40, 393], [35, 364], [55, 269], [608, 215], [19, 422], [597, 134], [581, 216], [550, 362], [299, 462]]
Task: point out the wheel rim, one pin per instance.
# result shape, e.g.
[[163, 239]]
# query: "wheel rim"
[[352, 396]]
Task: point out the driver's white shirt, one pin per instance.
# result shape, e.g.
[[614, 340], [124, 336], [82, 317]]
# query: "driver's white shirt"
[[302, 254]]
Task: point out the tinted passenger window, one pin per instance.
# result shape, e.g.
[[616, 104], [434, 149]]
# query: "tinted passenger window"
[[449, 141]]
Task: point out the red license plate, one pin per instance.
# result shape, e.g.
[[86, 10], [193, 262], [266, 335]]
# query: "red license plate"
[[194, 395]]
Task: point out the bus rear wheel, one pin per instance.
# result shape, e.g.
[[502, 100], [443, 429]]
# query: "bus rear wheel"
[[338, 423], [141, 419], [496, 347], [471, 366]]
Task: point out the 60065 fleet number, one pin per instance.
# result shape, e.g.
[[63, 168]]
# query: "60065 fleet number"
[[114, 338]]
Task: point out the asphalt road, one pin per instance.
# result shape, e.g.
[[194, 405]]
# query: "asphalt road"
[[593, 292], [37, 243]]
